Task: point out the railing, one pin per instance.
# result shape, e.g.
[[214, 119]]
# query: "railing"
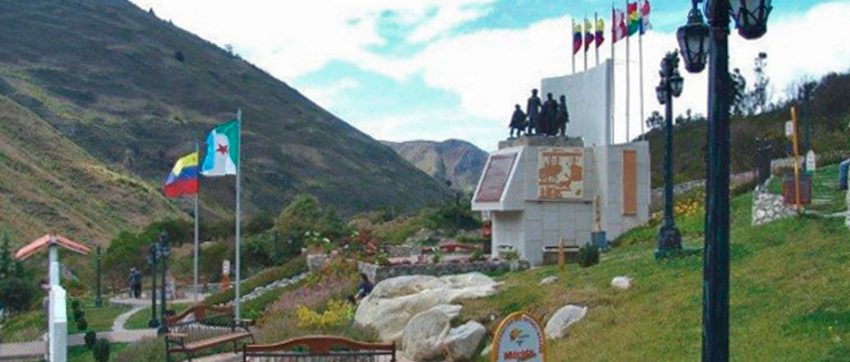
[[319, 349]]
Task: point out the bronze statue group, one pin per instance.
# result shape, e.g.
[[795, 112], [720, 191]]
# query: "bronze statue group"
[[549, 118]]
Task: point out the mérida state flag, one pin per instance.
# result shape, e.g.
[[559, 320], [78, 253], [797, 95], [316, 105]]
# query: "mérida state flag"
[[222, 156]]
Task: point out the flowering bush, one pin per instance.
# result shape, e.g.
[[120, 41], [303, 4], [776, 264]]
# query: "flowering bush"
[[338, 313], [314, 239]]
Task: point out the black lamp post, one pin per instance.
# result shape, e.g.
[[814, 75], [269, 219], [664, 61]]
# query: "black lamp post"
[[152, 262], [670, 86], [751, 22], [98, 301], [164, 251]]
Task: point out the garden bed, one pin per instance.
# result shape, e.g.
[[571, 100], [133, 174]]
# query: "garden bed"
[[377, 273]]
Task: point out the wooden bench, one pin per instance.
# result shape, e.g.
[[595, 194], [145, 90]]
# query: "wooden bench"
[[319, 348], [204, 327]]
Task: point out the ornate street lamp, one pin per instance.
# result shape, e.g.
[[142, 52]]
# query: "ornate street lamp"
[[751, 21], [670, 86], [693, 41], [98, 300], [164, 251]]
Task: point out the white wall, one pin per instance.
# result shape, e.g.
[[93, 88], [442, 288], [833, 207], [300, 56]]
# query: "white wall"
[[588, 101]]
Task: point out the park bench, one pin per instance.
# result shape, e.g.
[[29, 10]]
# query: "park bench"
[[204, 327], [318, 349]]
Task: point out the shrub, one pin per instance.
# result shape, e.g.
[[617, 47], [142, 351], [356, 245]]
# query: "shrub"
[[90, 338], [477, 255], [588, 255], [82, 323], [75, 305], [78, 314], [101, 350], [179, 56], [17, 294], [337, 313]]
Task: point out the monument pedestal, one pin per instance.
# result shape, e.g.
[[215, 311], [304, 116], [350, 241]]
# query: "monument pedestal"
[[540, 189]]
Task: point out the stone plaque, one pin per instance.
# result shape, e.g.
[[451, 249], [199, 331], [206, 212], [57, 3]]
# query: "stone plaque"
[[560, 173], [495, 177]]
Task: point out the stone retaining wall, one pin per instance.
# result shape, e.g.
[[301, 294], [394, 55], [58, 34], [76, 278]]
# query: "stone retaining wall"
[[768, 207], [376, 273]]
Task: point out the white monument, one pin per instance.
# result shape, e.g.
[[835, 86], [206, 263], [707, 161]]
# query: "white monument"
[[540, 189]]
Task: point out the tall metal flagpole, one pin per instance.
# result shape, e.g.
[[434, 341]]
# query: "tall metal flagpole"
[[584, 41], [640, 68], [595, 22], [572, 49], [611, 138], [237, 301], [197, 228], [628, 100]]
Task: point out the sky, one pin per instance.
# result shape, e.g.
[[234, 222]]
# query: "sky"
[[437, 69]]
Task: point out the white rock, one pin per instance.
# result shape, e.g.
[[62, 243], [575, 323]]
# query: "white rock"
[[621, 282], [424, 335], [549, 280], [395, 301], [487, 350], [563, 319], [461, 342]]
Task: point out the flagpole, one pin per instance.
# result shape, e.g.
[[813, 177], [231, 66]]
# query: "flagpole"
[[595, 23], [611, 138], [573, 32], [584, 39], [197, 228], [640, 68], [628, 136], [238, 214]]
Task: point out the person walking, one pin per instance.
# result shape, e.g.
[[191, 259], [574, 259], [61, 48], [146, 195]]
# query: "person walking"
[[135, 283]]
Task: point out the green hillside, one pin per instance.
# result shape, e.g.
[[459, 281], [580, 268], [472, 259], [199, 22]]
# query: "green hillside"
[[134, 91], [49, 183], [823, 104], [788, 297]]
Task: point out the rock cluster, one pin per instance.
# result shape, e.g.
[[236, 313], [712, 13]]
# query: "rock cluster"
[[769, 207], [257, 292]]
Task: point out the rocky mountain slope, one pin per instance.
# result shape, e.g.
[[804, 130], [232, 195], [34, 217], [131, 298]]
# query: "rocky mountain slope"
[[130, 93], [457, 161]]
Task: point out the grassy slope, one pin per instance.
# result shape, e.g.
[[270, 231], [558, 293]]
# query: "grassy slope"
[[788, 295], [49, 183]]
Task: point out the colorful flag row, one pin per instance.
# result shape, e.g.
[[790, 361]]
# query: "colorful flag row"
[[592, 34], [634, 20]]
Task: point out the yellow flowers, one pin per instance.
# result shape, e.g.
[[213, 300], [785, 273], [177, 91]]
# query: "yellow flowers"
[[337, 314]]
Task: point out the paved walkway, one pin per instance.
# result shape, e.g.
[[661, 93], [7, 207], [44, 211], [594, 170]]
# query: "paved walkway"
[[36, 349]]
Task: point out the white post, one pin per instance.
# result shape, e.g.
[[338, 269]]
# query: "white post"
[[57, 315], [237, 302], [197, 229], [53, 261]]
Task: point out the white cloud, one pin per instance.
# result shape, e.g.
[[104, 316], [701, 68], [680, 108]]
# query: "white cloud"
[[489, 69], [325, 96]]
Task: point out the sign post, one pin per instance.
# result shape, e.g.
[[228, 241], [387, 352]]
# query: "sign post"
[[519, 337]]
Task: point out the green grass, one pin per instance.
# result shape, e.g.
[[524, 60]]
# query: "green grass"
[[827, 198], [140, 319], [31, 325], [788, 297], [83, 354]]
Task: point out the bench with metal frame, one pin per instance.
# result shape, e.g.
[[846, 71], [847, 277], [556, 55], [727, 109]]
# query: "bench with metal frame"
[[319, 348], [204, 327]]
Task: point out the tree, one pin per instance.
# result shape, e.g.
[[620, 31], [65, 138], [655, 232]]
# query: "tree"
[[739, 97], [760, 94], [655, 120], [5, 257]]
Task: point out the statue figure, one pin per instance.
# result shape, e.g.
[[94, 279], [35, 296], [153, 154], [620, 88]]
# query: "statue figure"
[[517, 121], [532, 109], [563, 116], [547, 117]]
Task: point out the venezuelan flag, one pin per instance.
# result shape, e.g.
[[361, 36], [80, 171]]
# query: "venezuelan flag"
[[183, 179], [576, 38]]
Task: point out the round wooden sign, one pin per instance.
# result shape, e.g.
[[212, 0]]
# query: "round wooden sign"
[[519, 337]]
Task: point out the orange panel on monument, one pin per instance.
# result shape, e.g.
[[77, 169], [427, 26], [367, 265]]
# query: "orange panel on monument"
[[629, 182], [560, 173]]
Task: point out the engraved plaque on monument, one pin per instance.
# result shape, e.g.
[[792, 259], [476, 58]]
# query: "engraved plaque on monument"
[[560, 173], [495, 177]]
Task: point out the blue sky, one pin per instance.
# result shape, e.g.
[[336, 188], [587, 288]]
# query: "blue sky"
[[437, 69]]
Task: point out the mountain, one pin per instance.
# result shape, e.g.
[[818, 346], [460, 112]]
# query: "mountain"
[[130, 93], [457, 161]]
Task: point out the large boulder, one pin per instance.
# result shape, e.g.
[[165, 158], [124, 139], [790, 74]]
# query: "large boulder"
[[461, 342], [424, 335], [394, 301], [563, 319]]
